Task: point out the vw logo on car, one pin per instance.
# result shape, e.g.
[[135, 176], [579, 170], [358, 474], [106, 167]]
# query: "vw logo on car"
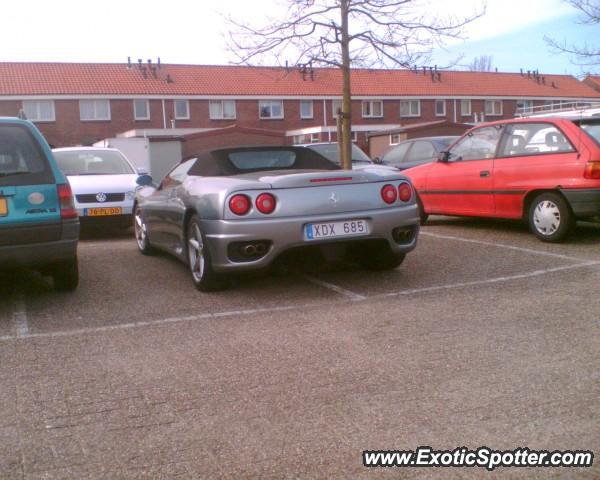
[[101, 197]]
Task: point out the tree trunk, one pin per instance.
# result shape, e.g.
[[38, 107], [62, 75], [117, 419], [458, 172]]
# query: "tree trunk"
[[346, 151]]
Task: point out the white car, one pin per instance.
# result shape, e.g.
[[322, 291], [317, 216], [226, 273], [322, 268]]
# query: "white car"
[[103, 181]]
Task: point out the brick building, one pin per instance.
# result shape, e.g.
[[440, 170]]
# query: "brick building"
[[76, 103]]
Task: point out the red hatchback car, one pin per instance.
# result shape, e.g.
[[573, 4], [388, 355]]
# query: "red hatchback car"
[[543, 170]]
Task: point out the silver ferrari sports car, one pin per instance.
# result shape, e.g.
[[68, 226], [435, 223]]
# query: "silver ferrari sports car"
[[239, 209]]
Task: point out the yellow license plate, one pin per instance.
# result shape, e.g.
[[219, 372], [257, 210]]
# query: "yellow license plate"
[[3, 207], [102, 212]]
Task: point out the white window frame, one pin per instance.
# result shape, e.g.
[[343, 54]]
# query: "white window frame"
[[135, 113], [95, 103], [369, 104], [187, 108], [269, 103], [355, 136], [462, 112], [397, 135], [312, 109], [35, 105], [493, 104], [411, 103], [335, 104], [221, 104], [437, 102]]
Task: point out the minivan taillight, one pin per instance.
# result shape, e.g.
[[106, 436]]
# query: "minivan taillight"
[[592, 170], [65, 198]]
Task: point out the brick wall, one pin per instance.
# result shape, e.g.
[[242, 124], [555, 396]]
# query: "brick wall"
[[68, 129]]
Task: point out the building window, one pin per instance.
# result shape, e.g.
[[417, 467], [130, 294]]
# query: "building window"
[[39, 110], [221, 109], [141, 109], [315, 138], [372, 109], [394, 139], [182, 109], [524, 106], [335, 106], [465, 108], [270, 109], [493, 107], [440, 108], [410, 108], [306, 109], [90, 110]]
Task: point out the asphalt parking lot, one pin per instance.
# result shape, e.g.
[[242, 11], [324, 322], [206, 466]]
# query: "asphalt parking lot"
[[484, 336]]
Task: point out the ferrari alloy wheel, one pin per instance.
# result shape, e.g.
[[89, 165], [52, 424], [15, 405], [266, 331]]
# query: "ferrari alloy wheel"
[[550, 218], [203, 276], [141, 232]]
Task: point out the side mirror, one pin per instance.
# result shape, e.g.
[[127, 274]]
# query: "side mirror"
[[142, 171], [443, 156], [144, 180]]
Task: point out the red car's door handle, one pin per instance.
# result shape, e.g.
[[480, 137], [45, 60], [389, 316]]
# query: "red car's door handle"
[[484, 173]]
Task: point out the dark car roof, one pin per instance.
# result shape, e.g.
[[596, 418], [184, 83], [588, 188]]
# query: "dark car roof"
[[216, 163]]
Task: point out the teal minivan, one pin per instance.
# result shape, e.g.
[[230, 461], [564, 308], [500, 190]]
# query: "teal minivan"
[[39, 226]]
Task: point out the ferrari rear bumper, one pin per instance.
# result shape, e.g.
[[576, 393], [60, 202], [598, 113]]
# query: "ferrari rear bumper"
[[281, 234]]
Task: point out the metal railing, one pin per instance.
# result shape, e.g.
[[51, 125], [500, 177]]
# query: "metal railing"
[[559, 108]]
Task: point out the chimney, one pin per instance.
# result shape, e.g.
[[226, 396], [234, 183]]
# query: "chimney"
[[521, 72], [158, 63], [128, 62], [140, 63]]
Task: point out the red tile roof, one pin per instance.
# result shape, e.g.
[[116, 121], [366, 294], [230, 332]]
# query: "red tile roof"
[[21, 79]]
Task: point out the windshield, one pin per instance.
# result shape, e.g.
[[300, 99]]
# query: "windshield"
[[21, 160], [593, 130], [92, 162], [268, 159], [330, 151]]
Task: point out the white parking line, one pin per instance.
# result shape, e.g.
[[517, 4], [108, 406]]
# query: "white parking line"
[[355, 297], [503, 245], [508, 278], [20, 324], [248, 312]]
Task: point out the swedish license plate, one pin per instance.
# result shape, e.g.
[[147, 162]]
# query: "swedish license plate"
[[3, 207], [102, 211], [315, 231]]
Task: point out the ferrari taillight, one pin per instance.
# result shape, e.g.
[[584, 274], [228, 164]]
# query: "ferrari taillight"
[[65, 199], [239, 204], [388, 193], [404, 192], [265, 203]]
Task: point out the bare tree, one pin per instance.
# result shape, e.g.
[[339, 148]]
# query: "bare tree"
[[481, 64], [583, 55], [347, 33]]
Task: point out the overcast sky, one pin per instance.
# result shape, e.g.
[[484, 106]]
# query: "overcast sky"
[[193, 31]]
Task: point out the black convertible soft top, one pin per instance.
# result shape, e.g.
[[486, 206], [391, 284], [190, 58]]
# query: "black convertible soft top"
[[237, 160]]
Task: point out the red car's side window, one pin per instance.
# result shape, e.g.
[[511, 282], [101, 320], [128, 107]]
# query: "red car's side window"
[[480, 144], [525, 139]]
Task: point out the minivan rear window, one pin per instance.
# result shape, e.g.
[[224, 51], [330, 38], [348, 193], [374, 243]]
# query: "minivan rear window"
[[22, 161]]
